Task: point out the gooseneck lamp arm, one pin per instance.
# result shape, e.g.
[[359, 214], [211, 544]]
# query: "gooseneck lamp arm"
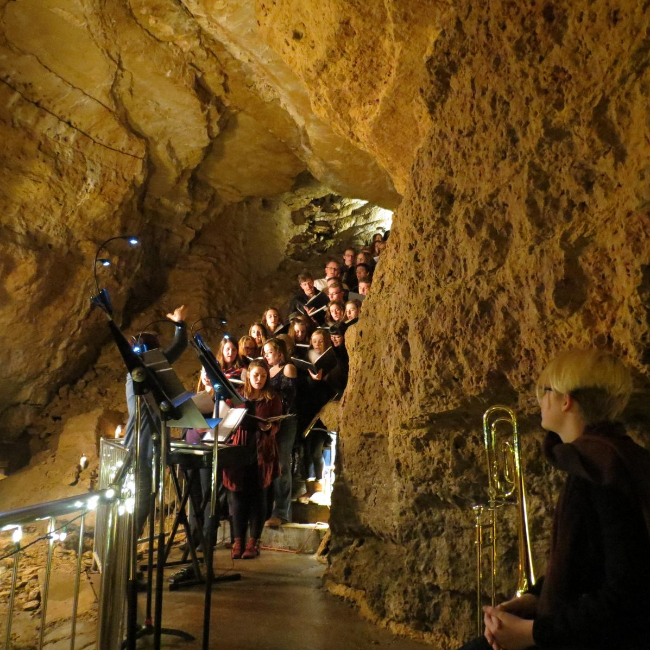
[[134, 241], [222, 321]]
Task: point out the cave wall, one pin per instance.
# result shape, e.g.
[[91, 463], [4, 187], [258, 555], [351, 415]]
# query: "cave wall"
[[149, 118], [524, 230]]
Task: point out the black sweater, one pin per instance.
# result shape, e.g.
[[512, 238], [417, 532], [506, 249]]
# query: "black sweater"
[[596, 593]]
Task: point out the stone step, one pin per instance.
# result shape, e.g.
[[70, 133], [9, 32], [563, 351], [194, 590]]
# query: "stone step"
[[309, 513], [302, 538]]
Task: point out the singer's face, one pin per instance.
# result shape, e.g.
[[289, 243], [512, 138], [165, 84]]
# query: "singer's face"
[[271, 355], [205, 380], [256, 333], [257, 377], [336, 340], [336, 313], [318, 343], [351, 312], [272, 318], [335, 293], [229, 352], [308, 287], [332, 270], [301, 332]]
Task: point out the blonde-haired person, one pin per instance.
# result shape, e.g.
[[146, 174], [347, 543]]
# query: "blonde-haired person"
[[248, 349], [596, 591], [248, 484]]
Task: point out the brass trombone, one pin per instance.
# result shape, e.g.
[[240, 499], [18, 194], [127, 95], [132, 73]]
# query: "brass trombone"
[[505, 488]]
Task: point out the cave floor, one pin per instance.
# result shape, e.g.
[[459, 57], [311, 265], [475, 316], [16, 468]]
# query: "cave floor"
[[279, 604]]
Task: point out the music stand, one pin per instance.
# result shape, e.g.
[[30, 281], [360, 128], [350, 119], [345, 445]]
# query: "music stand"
[[223, 390], [184, 414], [166, 396]]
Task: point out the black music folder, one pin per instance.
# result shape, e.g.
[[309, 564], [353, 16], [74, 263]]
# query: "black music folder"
[[319, 300], [300, 350], [326, 362]]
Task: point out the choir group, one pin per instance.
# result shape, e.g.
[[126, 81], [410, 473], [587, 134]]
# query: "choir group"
[[287, 370]]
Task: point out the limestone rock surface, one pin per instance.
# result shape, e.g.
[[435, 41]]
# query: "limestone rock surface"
[[222, 132]]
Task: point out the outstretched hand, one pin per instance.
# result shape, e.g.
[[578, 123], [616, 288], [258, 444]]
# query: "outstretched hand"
[[178, 315]]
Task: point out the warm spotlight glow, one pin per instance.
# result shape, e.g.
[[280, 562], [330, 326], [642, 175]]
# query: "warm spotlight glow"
[[17, 535], [83, 462], [383, 218], [134, 241], [118, 430]]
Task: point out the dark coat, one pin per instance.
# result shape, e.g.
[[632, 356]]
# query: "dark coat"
[[596, 592]]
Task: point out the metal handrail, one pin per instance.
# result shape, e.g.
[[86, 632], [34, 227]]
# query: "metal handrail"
[[13, 521], [69, 505]]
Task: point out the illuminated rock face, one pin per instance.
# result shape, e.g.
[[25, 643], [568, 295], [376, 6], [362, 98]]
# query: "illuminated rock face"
[[144, 117], [517, 135], [524, 229]]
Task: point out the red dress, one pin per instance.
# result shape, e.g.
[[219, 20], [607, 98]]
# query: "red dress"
[[249, 433]]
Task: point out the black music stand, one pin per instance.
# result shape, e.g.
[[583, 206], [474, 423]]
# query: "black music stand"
[[223, 390], [184, 414], [158, 386], [234, 458]]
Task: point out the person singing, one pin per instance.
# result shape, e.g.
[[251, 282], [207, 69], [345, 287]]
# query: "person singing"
[[247, 485]]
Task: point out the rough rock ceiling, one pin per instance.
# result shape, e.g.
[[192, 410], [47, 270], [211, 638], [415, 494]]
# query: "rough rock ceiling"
[[159, 117]]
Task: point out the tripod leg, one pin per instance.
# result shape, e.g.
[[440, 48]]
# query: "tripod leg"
[[150, 547], [180, 516], [132, 587], [161, 461]]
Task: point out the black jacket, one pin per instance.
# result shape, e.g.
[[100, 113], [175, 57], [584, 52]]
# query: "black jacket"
[[596, 592]]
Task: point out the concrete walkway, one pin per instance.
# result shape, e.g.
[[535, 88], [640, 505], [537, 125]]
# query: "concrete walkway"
[[279, 604]]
